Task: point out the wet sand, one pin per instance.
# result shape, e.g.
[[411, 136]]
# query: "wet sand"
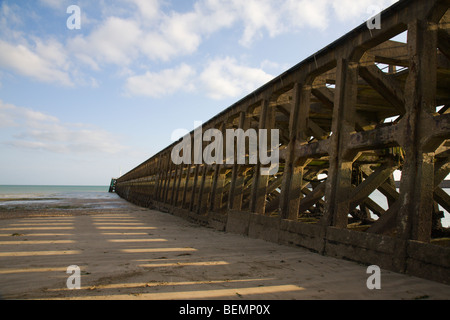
[[127, 252]]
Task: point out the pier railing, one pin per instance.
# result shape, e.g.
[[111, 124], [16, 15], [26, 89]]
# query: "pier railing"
[[351, 118]]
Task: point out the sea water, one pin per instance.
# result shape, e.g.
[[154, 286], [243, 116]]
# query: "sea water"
[[17, 196], [28, 192]]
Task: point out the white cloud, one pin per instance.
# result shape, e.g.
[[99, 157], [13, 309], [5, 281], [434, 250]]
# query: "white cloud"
[[156, 47], [275, 67], [179, 34], [176, 36], [223, 78], [148, 9], [307, 13], [9, 15], [115, 41], [215, 14], [52, 52], [55, 4], [136, 33], [220, 78], [258, 16], [6, 119], [181, 30], [46, 62], [37, 130], [152, 33], [162, 83], [347, 10]]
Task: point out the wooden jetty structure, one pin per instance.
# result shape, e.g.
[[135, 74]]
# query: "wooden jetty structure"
[[349, 117]]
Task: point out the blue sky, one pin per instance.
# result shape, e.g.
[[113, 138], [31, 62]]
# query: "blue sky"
[[80, 106]]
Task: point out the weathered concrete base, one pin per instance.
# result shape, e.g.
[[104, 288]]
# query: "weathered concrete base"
[[361, 247], [428, 261], [217, 221], [423, 260], [309, 236]]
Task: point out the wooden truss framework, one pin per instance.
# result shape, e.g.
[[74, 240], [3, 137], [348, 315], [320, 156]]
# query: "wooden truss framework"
[[349, 117]]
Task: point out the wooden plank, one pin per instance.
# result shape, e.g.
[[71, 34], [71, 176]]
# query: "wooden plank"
[[385, 85], [311, 199], [375, 180], [442, 197], [391, 52], [325, 96]]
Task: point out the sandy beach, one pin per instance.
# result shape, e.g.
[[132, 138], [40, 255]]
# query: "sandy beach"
[[127, 252]]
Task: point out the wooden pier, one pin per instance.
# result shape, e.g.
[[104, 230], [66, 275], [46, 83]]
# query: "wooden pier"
[[349, 117]]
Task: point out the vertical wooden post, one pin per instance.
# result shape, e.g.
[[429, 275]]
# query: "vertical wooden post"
[[338, 184], [218, 178], [416, 188], [217, 189], [238, 175], [194, 187], [158, 177], [171, 182], [200, 199], [177, 185], [170, 165], [259, 186], [205, 190], [293, 170], [164, 179], [189, 169]]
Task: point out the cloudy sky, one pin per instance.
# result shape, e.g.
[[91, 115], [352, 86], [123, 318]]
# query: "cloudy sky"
[[79, 106]]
